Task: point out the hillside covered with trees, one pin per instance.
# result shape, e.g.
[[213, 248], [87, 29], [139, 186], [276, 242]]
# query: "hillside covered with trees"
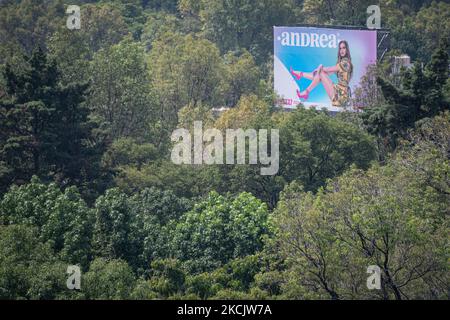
[[86, 176]]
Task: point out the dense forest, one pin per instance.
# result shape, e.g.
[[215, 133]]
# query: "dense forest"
[[86, 177]]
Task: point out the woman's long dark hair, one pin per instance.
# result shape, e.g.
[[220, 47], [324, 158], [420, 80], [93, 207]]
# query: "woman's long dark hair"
[[347, 55]]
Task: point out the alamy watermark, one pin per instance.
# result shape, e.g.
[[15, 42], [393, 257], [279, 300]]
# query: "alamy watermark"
[[374, 280], [374, 20], [74, 279], [74, 19], [208, 147]]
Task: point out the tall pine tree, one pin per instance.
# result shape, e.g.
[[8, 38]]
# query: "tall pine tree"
[[45, 128], [420, 96]]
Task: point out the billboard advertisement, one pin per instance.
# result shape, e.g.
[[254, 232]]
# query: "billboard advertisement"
[[321, 67]]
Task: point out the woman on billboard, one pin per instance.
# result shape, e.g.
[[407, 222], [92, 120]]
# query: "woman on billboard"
[[339, 93]]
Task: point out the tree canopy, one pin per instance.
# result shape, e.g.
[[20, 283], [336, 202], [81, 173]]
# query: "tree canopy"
[[86, 177]]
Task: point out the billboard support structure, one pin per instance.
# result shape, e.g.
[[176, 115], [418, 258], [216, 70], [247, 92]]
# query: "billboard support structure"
[[383, 37]]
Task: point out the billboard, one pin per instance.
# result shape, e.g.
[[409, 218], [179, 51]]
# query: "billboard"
[[321, 67]]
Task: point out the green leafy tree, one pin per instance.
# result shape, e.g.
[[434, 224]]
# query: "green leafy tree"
[[242, 77], [25, 25], [128, 152], [120, 96], [169, 5], [133, 15], [28, 268], [251, 112], [217, 230], [419, 32], [113, 227], [102, 26], [184, 180], [237, 276], [159, 23], [236, 25], [316, 147], [108, 279], [185, 71], [156, 214], [143, 291], [63, 219], [167, 277], [335, 12], [392, 216], [368, 93]]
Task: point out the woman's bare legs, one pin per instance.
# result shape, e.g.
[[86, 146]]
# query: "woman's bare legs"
[[309, 76], [315, 81], [318, 76], [300, 74], [315, 77], [327, 84]]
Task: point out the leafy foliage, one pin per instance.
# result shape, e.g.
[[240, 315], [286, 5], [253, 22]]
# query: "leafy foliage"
[[316, 147], [217, 230], [86, 118], [421, 95], [63, 219], [385, 217]]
